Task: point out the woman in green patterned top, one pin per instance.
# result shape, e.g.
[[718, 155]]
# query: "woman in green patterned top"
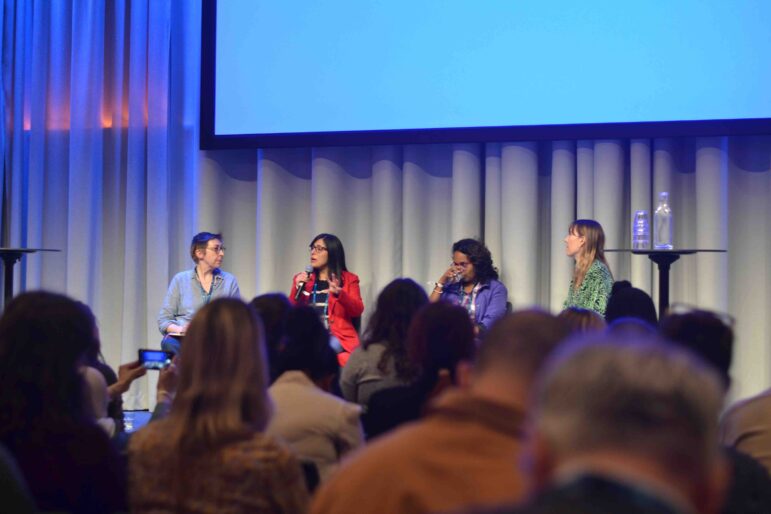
[[592, 281]]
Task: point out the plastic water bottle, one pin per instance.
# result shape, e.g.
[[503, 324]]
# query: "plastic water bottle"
[[641, 235], [662, 224]]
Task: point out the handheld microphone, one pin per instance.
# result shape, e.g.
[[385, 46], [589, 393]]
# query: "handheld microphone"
[[301, 285]]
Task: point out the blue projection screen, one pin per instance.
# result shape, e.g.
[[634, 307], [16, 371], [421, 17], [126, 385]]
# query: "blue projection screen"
[[294, 73]]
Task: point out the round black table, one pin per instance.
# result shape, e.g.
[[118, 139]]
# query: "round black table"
[[11, 256], [664, 259]]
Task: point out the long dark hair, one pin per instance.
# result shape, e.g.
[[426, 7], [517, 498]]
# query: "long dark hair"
[[396, 306], [273, 309], [43, 338], [306, 345], [335, 255], [440, 336], [479, 256]]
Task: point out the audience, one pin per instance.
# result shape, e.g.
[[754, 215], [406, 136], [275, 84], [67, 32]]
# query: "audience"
[[440, 346], [45, 424], [117, 384], [210, 454], [318, 426], [629, 302], [381, 361], [464, 451], [625, 427], [704, 333], [710, 336], [622, 418], [746, 426], [581, 320]]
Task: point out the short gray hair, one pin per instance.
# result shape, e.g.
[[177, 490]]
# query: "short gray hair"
[[641, 397]]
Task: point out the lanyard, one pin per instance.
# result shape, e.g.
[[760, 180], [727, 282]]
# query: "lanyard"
[[469, 300], [325, 315]]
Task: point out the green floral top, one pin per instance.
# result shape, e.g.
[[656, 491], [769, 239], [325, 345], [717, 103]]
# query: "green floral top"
[[594, 291]]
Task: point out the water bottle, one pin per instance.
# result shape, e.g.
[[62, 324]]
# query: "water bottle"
[[641, 235], [662, 224]]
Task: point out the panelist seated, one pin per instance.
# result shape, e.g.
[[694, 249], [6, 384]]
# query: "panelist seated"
[[472, 282], [192, 289]]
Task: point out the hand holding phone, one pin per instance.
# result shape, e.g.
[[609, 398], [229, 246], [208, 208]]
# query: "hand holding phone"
[[155, 359]]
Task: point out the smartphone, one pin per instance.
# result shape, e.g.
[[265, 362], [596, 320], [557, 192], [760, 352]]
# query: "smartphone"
[[155, 359]]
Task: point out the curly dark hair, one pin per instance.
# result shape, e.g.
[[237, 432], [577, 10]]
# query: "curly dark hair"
[[479, 256], [396, 306]]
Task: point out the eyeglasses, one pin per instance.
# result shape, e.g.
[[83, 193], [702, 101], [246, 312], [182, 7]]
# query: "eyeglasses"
[[318, 248], [463, 265], [217, 249]]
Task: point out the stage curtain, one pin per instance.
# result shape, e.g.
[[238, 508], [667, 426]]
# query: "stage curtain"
[[101, 161]]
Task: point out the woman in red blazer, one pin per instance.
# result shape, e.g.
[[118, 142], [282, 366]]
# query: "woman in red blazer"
[[332, 291]]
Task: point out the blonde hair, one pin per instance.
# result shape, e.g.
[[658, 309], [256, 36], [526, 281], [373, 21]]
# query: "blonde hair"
[[222, 395], [593, 249]]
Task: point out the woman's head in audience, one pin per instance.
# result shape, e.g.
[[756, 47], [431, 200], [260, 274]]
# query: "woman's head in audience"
[[43, 341], [440, 337], [581, 320], [306, 348], [222, 392], [629, 302], [396, 306], [273, 309]]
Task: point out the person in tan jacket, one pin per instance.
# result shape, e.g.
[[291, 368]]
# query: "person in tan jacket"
[[465, 451]]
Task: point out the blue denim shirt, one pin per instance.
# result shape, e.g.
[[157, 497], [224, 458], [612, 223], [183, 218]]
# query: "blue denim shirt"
[[186, 295], [490, 303]]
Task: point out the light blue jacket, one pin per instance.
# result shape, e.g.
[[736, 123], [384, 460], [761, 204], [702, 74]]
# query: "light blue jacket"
[[186, 295]]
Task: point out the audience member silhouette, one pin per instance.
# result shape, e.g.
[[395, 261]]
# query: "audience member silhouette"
[[581, 320], [273, 309], [318, 427], [465, 450], [382, 361], [607, 438], [66, 460], [710, 336], [629, 302], [440, 338], [210, 454]]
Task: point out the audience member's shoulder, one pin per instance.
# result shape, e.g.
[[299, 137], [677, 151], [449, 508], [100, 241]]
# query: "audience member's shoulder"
[[758, 401]]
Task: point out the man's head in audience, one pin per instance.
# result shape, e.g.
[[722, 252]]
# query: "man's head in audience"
[[639, 412], [513, 351], [707, 334]]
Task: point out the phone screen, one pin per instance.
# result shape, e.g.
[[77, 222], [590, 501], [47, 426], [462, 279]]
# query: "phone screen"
[[155, 359]]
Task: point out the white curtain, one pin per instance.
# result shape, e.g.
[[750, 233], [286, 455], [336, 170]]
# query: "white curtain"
[[101, 160]]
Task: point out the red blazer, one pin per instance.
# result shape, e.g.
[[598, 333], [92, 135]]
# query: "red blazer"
[[342, 309]]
